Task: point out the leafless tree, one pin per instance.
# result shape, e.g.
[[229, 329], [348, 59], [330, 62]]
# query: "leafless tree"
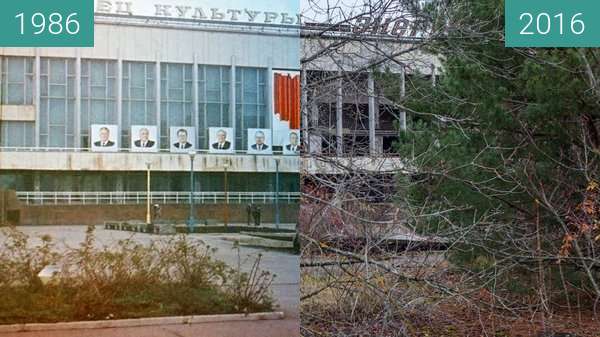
[[365, 269]]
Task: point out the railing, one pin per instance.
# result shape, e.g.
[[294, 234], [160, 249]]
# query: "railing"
[[139, 198]]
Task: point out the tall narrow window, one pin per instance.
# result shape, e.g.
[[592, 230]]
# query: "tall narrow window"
[[176, 98], [251, 107], [139, 97], [57, 102], [213, 99], [16, 89], [98, 95]]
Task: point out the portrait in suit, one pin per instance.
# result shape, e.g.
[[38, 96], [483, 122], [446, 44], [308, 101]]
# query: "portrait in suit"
[[104, 138], [220, 141], [182, 139], [144, 138], [104, 134], [293, 144], [259, 141]]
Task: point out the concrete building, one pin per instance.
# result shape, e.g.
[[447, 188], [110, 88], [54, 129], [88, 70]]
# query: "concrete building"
[[160, 66], [352, 76]]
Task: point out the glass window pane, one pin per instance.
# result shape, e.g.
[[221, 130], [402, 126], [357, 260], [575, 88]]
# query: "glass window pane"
[[15, 94], [58, 91], [58, 72], [57, 112], [57, 136], [16, 69]]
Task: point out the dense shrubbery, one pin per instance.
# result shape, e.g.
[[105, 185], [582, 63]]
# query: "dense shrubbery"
[[173, 277]]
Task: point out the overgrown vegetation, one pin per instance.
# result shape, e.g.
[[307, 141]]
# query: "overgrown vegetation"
[[175, 277], [506, 149], [501, 159]]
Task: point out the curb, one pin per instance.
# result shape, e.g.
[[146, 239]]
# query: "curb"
[[132, 323]]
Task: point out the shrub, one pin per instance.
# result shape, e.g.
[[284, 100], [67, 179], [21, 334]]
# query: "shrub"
[[178, 276]]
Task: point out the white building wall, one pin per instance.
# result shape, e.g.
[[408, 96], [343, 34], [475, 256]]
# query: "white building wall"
[[150, 44]]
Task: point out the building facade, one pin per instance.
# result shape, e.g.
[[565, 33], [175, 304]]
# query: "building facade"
[[354, 78], [158, 71]]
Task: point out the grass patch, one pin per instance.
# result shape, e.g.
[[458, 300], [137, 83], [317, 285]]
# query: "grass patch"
[[165, 278]]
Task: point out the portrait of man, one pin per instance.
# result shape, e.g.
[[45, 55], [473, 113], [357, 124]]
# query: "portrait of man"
[[259, 141], [104, 138], [222, 142], [219, 140], [293, 146], [104, 134], [182, 139], [144, 138]]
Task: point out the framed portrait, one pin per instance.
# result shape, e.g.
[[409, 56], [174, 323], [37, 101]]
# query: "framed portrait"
[[292, 145], [144, 138], [221, 140], [182, 139], [104, 138], [259, 141]]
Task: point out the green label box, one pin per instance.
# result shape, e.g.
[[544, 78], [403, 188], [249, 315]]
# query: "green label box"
[[552, 23], [47, 23]]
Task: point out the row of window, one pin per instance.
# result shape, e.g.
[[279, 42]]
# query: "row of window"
[[136, 181], [99, 99]]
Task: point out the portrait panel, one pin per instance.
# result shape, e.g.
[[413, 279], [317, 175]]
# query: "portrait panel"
[[221, 140], [144, 138], [291, 144], [259, 141], [104, 138], [182, 139]]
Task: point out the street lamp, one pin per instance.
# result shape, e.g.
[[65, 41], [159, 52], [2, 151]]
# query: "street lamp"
[[225, 167], [277, 220], [191, 220], [148, 195]]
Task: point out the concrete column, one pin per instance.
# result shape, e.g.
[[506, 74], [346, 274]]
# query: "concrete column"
[[36, 95], [195, 101], [304, 111], [120, 183], [232, 98], [120, 96], [270, 111], [373, 114], [402, 116], [339, 116], [157, 95], [316, 138], [37, 184], [77, 121]]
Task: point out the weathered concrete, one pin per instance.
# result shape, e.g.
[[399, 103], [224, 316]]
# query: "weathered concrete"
[[332, 165], [290, 327], [127, 162], [140, 322]]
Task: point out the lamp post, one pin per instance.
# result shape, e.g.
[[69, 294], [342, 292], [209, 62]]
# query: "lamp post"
[[225, 167], [148, 195], [191, 220], [277, 193]]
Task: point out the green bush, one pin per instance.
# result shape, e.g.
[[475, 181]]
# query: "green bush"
[[130, 280]]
